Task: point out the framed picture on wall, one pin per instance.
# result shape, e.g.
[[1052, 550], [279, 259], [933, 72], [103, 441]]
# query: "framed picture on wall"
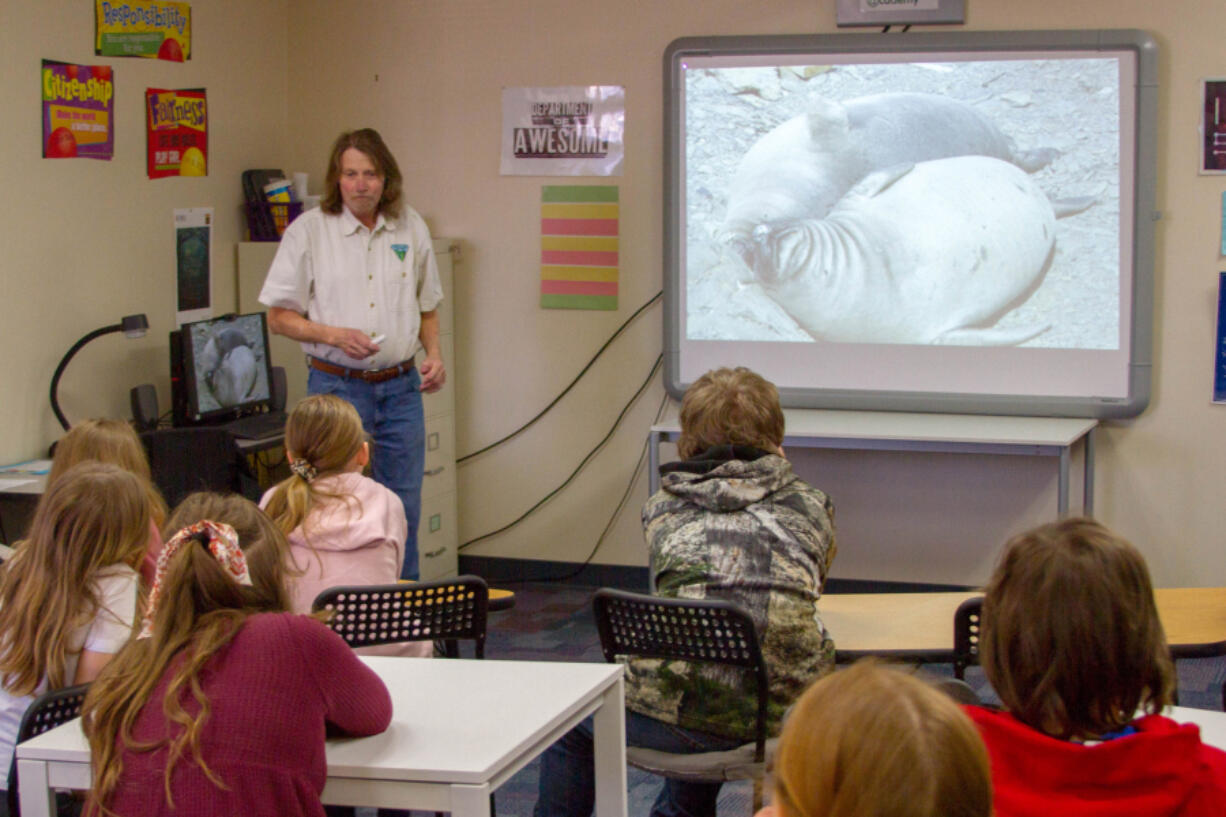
[[1213, 127]]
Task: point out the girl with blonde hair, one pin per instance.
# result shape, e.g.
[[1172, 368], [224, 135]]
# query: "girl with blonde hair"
[[874, 741], [68, 593], [116, 442], [344, 528], [221, 706]]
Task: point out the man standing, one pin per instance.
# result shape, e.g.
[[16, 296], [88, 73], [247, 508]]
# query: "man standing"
[[356, 283]]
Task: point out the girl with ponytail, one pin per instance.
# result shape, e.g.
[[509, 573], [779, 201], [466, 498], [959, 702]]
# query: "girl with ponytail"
[[344, 528], [222, 704]]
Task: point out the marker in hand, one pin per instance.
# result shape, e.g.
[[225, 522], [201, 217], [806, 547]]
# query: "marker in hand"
[[378, 339]]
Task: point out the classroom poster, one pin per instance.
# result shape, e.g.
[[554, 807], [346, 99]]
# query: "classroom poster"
[[1213, 127], [579, 247], [177, 140], [563, 131], [78, 111], [143, 28], [193, 264]]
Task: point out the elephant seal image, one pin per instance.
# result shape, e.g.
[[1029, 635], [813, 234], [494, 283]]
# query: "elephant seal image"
[[805, 165], [933, 252], [234, 377], [229, 366]]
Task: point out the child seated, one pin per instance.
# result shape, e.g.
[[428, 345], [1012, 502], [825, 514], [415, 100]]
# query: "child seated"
[[1071, 642], [874, 741], [222, 704], [344, 528], [68, 593], [114, 441]]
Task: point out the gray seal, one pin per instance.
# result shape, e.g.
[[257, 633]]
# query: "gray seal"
[[934, 252]]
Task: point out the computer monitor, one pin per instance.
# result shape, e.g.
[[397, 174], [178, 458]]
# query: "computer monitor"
[[226, 369]]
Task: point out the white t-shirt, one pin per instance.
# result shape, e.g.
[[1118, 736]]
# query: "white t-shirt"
[[337, 272], [109, 630]]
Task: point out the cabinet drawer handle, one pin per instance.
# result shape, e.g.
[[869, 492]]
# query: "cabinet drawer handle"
[[431, 554], [434, 472]]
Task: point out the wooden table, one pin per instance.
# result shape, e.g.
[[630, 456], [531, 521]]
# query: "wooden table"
[[460, 729], [920, 626]]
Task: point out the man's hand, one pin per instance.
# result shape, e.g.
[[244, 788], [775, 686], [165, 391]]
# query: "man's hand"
[[353, 342], [433, 374]]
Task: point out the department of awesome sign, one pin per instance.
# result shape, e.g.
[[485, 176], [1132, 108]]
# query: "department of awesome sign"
[[563, 131]]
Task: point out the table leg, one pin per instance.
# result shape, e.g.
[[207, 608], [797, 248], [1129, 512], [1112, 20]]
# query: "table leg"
[[653, 462], [1062, 489], [470, 801], [609, 747], [36, 796], [1087, 502]]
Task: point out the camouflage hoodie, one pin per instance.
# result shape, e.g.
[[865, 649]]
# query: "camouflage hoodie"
[[735, 523]]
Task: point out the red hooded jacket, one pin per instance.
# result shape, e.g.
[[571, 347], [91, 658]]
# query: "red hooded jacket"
[[1161, 771]]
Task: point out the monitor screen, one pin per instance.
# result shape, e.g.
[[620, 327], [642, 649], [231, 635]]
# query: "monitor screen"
[[226, 366], [936, 222]]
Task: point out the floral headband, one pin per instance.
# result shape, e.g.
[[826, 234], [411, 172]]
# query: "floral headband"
[[303, 469], [221, 541]]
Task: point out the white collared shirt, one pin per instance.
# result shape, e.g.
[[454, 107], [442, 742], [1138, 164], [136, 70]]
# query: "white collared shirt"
[[337, 272]]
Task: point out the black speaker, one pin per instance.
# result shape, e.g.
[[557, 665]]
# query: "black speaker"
[[277, 390], [144, 406]]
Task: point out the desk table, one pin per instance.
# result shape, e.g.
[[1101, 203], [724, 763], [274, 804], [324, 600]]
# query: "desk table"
[[937, 433], [455, 737], [920, 626]]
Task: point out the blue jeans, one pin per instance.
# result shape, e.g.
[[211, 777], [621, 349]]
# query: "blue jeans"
[[392, 415], [568, 773]]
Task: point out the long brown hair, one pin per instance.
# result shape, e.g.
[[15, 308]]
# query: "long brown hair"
[[113, 441], [324, 433], [871, 741], [1071, 637], [94, 516], [368, 141], [202, 608]]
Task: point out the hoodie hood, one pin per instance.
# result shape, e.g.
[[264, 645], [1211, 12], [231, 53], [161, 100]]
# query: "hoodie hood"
[[726, 478], [1162, 770]]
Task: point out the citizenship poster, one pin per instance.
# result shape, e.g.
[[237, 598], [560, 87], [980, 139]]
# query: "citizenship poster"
[[563, 131], [177, 132], [193, 240], [579, 246], [143, 28], [78, 111]]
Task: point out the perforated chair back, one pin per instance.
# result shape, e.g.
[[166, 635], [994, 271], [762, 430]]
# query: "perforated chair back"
[[445, 610], [968, 622], [48, 711], [716, 631]]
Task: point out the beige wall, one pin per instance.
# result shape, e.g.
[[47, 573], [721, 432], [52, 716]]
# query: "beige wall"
[[429, 75], [86, 242]]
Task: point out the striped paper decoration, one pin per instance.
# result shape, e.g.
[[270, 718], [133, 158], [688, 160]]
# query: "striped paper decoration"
[[579, 226]]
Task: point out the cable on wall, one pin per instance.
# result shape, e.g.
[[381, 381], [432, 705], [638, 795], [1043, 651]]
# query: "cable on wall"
[[634, 398], [578, 377]]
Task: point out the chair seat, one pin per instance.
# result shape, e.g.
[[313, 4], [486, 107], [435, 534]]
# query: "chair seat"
[[703, 767]]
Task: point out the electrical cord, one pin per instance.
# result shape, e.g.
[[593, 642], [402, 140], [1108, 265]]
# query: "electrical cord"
[[578, 377], [650, 376]]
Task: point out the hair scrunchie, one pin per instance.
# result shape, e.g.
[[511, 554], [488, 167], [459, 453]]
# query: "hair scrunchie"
[[303, 469], [222, 542]]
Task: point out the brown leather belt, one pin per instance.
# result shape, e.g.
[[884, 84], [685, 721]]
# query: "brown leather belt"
[[367, 375]]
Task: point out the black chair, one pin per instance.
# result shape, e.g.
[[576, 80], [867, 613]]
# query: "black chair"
[[716, 631], [201, 458], [968, 622], [440, 611], [48, 711]]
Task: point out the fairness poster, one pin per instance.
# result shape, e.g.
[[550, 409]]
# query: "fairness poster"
[[563, 131], [177, 139], [154, 29], [78, 111]]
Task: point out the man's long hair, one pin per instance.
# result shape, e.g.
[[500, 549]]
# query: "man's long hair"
[[369, 142]]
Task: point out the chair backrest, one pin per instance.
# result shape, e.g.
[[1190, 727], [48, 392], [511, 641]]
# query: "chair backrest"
[[967, 625], [202, 458], [448, 609], [710, 630], [48, 711]]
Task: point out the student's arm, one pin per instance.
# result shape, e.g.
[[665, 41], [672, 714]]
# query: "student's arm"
[[89, 665], [356, 701]]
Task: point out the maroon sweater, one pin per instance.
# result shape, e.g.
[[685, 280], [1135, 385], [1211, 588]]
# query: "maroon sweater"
[[274, 690]]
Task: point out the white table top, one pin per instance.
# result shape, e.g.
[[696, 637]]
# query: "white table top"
[[937, 428], [454, 720]]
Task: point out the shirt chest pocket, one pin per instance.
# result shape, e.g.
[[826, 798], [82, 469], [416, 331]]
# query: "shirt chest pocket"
[[397, 280]]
